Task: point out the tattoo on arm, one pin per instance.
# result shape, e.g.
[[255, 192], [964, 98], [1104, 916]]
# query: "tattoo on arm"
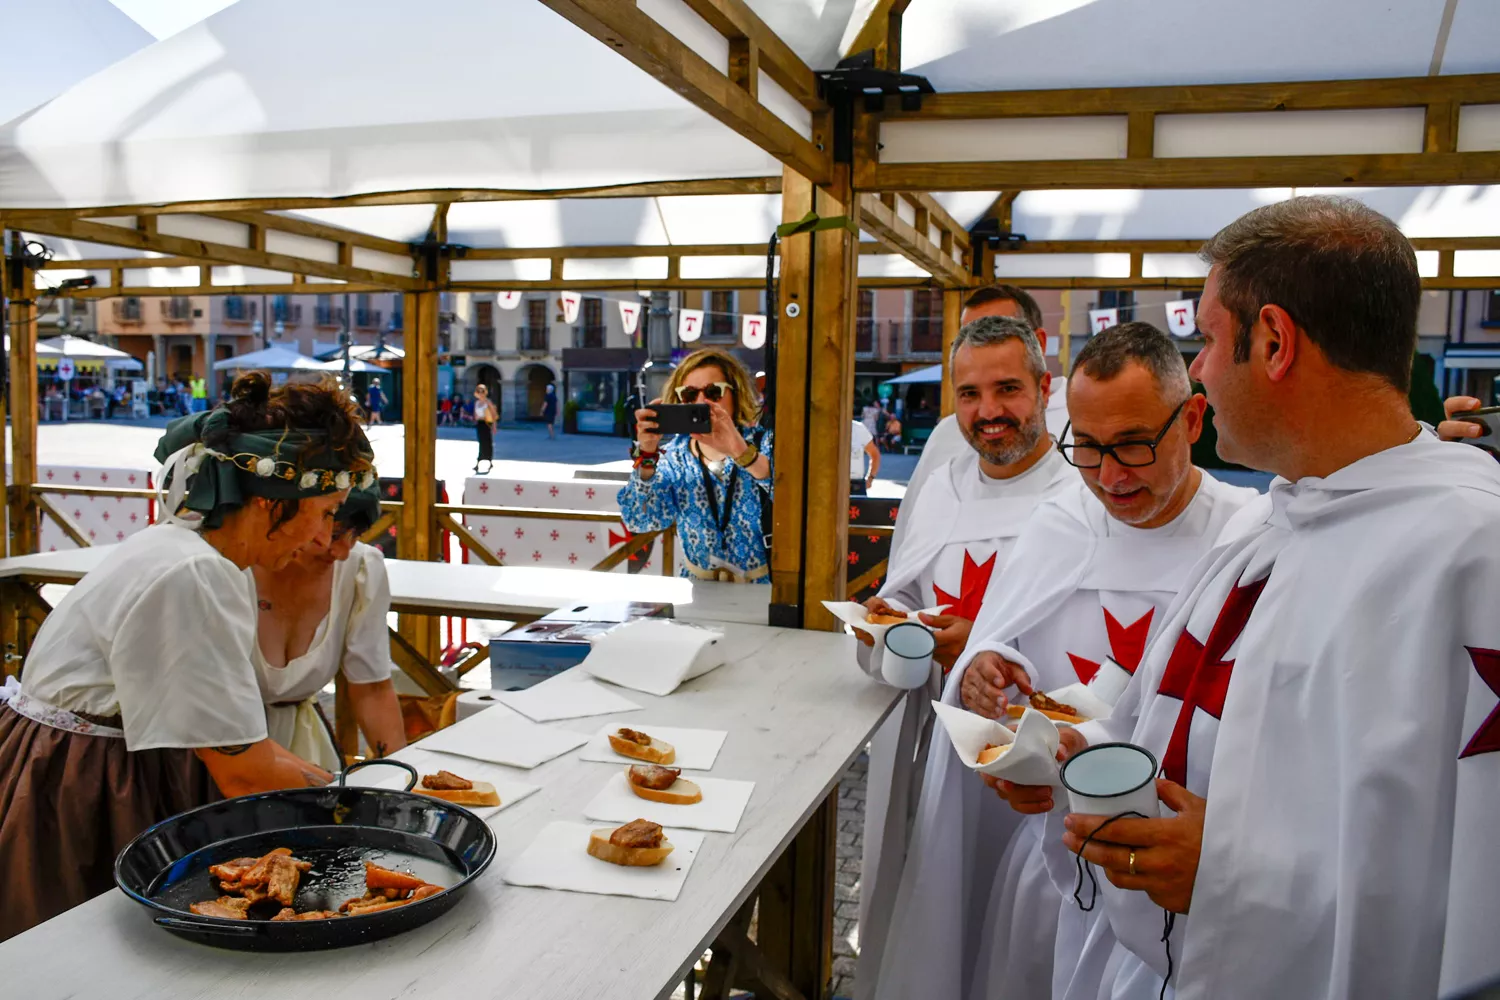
[[380, 748], [234, 749], [313, 780]]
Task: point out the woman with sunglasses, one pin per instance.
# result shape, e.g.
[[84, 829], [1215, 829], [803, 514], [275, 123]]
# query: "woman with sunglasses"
[[715, 488], [322, 613]]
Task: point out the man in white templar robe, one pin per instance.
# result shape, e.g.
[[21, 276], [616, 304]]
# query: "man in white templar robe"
[[1096, 566], [946, 440], [962, 529], [1325, 699]]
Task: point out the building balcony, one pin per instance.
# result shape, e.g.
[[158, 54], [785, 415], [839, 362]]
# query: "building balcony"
[[177, 309], [533, 340], [591, 336], [324, 316], [481, 340], [920, 338], [127, 310], [238, 309], [367, 319], [864, 336]]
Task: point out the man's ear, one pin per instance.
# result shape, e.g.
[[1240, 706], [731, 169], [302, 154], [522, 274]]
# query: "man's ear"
[[1274, 342], [1041, 339], [1192, 416]]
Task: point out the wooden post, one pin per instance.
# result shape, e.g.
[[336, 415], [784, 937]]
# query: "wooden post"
[[953, 308], [1065, 335], [418, 536], [23, 399], [814, 392]]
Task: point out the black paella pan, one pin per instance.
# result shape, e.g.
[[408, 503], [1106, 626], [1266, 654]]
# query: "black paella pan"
[[337, 828]]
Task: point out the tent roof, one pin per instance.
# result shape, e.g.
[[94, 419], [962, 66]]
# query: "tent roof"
[[258, 102], [78, 348], [277, 358], [51, 46], [1044, 44]]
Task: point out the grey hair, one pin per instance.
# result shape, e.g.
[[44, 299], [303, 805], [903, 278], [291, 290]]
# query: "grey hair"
[[987, 331], [1107, 353]]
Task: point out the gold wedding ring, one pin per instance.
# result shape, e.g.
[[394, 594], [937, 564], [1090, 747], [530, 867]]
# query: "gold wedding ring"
[[1132, 862]]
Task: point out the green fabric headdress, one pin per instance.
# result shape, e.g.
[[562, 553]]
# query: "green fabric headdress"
[[212, 469], [361, 509]]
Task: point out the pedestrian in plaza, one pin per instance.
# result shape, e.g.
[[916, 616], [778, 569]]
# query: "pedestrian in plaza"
[[485, 419], [862, 443], [374, 400], [200, 394], [549, 409], [714, 488]]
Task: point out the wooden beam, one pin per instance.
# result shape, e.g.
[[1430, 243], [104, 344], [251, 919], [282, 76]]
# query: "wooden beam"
[[744, 66], [1140, 135], [939, 216], [629, 31], [316, 230], [158, 291], [417, 537], [881, 221], [201, 250], [62, 520], [669, 283], [1440, 128], [736, 21], [21, 328], [1376, 169], [1317, 95], [106, 263], [469, 540], [953, 307], [429, 196], [792, 386], [882, 33]]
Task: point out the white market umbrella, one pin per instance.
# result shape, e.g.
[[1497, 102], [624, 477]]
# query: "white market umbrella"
[[87, 351], [272, 358], [356, 367], [42, 350], [922, 376]]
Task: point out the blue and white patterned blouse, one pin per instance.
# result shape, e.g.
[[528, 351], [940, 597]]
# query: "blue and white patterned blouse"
[[676, 496]]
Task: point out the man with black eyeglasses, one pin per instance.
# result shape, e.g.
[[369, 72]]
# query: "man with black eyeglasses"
[[1095, 567]]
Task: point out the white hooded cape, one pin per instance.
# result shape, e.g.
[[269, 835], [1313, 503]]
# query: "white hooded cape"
[[898, 749], [1350, 842], [954, 935]]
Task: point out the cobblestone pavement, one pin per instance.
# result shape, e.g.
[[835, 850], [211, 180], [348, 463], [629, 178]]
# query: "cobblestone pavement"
[[846, 882]]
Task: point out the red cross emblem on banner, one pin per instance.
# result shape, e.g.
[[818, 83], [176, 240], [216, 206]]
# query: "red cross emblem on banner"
[[973, 582], [615, 539], [1198, 674], [1486, 738], [1127, 644]]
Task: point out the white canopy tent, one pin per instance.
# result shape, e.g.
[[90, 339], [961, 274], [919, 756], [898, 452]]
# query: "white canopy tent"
[[275, 358], [80, 349]]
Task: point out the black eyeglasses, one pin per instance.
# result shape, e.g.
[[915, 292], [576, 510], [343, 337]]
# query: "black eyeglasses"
[[1131, 454], [713, 393]]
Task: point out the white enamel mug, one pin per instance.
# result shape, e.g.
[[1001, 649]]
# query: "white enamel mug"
[[1112, 778], [906, 661]]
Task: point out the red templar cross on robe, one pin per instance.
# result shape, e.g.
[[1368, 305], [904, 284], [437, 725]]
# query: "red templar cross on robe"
[[971, 587], [1127, 644], [1486, 738], [1198, 674]]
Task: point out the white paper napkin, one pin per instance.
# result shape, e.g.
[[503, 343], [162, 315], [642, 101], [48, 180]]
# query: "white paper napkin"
[[509, 789], [503, 737], [1032, 758], [697, 749], [853, 614], [559, 859], [1083, 698], [654, 655], [723, 804], [569, 695]]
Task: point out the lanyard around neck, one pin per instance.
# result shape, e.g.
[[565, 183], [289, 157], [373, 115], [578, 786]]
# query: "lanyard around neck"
[[721, 517]]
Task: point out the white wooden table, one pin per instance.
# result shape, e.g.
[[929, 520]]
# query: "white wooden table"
[[747, 603], [797, 710]]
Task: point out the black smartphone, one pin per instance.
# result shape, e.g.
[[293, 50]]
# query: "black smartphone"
[[1487, 417], [683, 418]]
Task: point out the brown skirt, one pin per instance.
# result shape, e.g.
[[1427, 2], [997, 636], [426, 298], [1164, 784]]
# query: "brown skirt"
[[69, 803]]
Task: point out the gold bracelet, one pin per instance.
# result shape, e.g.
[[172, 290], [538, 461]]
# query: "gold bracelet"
[[748, 457]]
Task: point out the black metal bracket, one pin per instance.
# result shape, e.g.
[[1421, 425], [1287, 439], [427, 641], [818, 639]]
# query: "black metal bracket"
[[24, 256], [857, 78], [431, 253], [987, 232]]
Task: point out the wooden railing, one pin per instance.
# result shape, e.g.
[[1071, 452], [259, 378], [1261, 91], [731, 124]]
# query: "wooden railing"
[[444, 518]]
